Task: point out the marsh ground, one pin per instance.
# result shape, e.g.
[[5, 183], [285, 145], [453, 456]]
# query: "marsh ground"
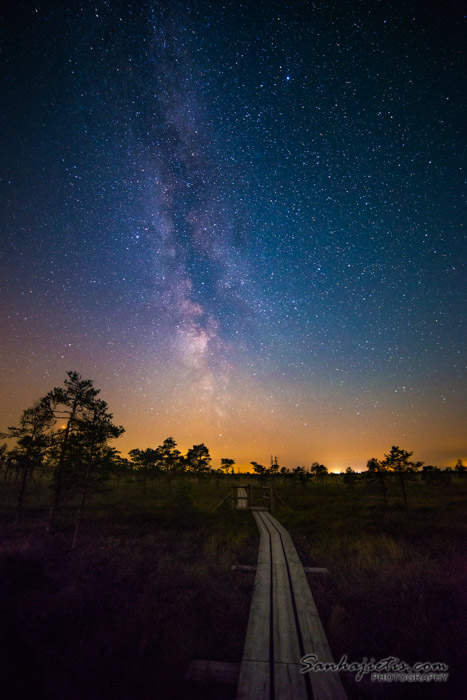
[[150, 585]]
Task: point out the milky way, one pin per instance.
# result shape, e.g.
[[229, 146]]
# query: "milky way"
[[242, 220]]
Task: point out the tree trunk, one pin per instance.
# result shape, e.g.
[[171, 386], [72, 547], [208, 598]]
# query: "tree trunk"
[[22, 491], [82, 505], [58, 472], [401, 477]]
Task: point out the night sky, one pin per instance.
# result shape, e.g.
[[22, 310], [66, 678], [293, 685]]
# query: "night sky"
[[242, 220]]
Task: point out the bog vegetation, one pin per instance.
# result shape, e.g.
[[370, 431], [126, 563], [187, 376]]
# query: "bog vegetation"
[[117, 572]]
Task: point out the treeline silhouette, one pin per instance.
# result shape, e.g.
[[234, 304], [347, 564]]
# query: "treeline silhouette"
[[66, 434]]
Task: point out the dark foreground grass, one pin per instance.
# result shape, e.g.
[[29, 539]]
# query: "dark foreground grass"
[[397, 584], [150, 587]]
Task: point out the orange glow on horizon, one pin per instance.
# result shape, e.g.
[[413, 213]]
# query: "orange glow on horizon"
[[246, 421]]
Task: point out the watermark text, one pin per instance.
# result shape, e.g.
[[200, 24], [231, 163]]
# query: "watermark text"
[[388, 670]]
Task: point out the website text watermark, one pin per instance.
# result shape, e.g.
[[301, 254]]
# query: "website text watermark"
[[388, 670]]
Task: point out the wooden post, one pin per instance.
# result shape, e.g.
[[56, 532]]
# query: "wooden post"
[[250, 496]]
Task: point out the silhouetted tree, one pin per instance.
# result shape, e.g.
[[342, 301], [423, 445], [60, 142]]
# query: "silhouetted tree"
[[319, 470], [164, 458], [300, 475], [69, 404], [197, 459], [378, 470], [460, 468], [274, 468], [350, 477], [435, 475], [398, 461], [146, 464], [227, 465], [170, 458], [3, 457], [259, 469], [32, 441], [146, 461], [119, 464], [93, 454]]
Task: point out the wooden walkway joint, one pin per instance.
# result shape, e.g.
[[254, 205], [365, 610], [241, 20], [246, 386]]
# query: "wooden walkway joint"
[[283, 627]]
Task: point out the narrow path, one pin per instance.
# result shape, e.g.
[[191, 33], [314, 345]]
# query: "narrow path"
[[242, 498], [283, 626]]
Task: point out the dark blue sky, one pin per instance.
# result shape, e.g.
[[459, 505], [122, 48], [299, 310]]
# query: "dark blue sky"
[[242, 220]]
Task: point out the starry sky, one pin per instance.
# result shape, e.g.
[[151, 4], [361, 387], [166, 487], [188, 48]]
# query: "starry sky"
[[242, 220]]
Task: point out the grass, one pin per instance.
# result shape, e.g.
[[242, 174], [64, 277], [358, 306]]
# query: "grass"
[[150, 586], [397, 582]]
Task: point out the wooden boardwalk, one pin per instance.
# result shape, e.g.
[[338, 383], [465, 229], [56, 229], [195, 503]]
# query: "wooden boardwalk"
[[242, 498], [283, 626]]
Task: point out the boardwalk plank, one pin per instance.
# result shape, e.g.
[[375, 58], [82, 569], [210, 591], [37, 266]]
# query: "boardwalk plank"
[[257, 637], [295, 622], [242, 498], [289, 683], [257, 647], [254, 683], [325, 685], [286, 647]]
